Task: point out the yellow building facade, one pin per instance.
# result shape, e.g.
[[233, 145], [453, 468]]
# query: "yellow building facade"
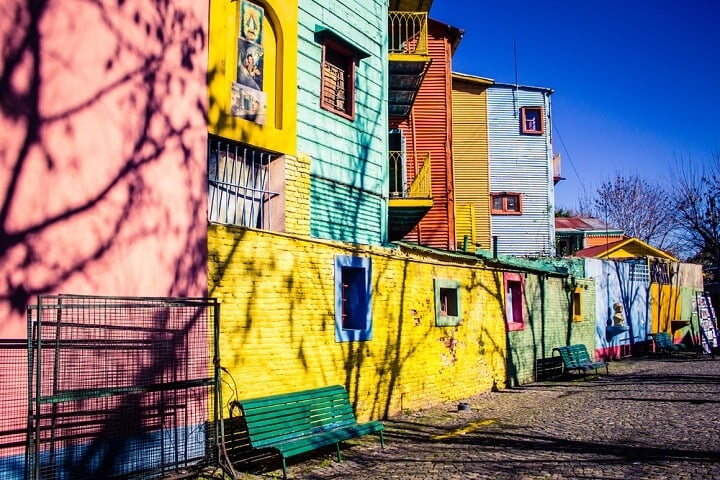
[[471, 161], [277, 39], [277, 323]]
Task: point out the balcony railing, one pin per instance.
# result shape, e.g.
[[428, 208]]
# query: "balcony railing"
[[408, 33], [420, 186]]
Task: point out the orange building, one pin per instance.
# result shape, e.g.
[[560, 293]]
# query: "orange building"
[[425, 136]]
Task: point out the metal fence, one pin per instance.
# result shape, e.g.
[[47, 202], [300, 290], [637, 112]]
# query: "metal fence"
[[13, 408], [120, 387]]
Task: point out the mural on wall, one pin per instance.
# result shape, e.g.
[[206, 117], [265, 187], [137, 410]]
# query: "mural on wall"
[[247, 98]]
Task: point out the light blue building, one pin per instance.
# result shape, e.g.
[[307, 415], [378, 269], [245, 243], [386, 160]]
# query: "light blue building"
[[521, 169]]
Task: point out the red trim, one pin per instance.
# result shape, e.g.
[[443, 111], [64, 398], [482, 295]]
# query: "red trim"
[[518, 306], [504, 196], [541, 118]]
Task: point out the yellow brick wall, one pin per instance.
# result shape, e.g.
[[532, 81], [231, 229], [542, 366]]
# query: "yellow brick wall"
[[277, 324], [297, 195]]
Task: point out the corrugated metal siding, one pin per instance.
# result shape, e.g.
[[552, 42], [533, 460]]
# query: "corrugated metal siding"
[[521, 163], [430, 121], [465, 226], [595, 241], [470, 156], [343, 151]]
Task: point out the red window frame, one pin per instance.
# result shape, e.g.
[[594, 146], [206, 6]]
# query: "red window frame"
[[531, 115], [514, 285], [503, 197]]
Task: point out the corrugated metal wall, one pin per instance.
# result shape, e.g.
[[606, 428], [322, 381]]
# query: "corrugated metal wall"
[[521, 163], [470, 156], [430, 124], [348, 188]]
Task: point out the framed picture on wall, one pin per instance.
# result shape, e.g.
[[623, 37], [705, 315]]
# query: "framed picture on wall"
[[250, 64], [248, 103], [251, 24]]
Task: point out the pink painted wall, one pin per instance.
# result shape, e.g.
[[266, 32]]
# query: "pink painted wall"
[[102, 152]]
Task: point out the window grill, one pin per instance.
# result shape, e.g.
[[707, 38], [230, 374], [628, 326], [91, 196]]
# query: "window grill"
[[239, 184], [639, 272]]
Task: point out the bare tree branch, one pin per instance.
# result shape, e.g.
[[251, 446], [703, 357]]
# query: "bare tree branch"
[[638, 207]]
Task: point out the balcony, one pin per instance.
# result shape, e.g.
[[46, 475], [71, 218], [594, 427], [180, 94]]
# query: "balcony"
[[408, 59], [557, 175], [409, 201]]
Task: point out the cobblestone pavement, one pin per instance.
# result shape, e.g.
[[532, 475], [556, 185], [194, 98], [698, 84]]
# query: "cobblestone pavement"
[[651, 418]]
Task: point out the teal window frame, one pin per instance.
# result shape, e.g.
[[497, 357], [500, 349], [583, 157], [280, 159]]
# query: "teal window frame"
[[353, 299], [448, 305]]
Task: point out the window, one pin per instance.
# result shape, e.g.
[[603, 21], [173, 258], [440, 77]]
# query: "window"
[[506, 203], [243, 186], [398, 171], [447, 303], [514, 301], [532, 120], [639, 271], [353, 319], [338, 79], [577, 304]]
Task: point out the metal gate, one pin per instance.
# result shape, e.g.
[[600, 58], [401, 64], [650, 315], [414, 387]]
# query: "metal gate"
[[121, 387]]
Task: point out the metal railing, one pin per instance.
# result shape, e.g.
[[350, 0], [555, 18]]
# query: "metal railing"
[[408, 33], [420, 186], [239, 179], [120, 387]]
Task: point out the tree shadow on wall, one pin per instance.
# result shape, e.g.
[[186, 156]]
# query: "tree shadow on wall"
[[95, 98]]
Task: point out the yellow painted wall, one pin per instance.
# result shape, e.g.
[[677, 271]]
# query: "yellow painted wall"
[[471, 157], [665, 306], [277, 324], [280, 33]]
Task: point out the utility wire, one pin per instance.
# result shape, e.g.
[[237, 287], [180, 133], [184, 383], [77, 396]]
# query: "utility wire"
[[567, 153]]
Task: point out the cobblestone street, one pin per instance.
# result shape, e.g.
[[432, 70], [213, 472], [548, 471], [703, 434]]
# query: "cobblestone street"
[[651, 418]]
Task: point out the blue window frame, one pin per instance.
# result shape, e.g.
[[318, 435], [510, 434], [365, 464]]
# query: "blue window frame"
[[353, 297]]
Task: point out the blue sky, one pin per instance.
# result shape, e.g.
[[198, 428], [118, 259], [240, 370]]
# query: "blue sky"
[[637, 82]]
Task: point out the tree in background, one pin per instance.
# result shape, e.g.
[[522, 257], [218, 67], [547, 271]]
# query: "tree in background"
[[641, 208], [697, 210]]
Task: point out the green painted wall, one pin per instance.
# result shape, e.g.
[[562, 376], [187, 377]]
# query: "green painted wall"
[[549, 324], [348, 194]]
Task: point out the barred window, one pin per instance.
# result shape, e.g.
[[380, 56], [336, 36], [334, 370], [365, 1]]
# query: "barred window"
[[239, 180]]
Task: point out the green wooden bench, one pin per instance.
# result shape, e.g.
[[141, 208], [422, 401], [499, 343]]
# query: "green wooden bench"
[[576, 358], [300, 422], [664, 343]]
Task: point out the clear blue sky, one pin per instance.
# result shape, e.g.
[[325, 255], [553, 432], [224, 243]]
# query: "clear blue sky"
[[637, 82]]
